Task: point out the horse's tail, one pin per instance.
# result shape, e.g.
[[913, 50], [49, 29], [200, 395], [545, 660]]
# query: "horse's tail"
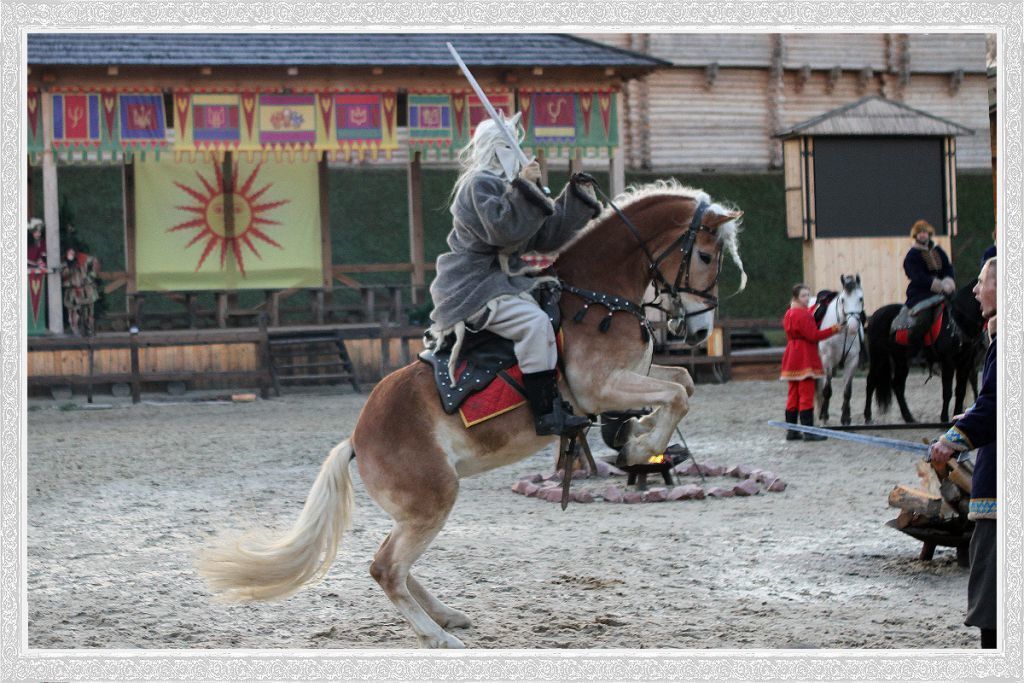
[[880, 361], [258, 568]]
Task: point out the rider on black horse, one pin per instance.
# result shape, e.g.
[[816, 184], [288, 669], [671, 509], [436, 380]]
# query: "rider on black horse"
[[931, 280]]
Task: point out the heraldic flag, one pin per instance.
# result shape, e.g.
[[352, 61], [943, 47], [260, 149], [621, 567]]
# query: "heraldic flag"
[[184, 243]]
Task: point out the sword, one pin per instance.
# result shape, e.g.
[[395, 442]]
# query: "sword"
[[897, 444], [493, 114]]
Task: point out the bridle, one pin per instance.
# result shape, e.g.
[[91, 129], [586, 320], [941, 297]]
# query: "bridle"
[[842, 314], [684, 243]]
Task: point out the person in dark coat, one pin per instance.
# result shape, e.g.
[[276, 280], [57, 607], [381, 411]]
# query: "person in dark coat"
[[976, 429], [930, 273], [801, 363]]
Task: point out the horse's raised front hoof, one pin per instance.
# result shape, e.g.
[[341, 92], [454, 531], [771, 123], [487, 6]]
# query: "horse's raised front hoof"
[[444, 642], [634, 452]]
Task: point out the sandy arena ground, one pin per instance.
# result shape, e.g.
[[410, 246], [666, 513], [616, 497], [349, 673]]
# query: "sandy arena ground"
[[121, 499]]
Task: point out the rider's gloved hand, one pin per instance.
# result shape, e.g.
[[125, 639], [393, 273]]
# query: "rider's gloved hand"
[[531, 172]]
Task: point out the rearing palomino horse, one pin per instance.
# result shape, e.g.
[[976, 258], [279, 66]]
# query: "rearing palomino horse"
[[411, 455]]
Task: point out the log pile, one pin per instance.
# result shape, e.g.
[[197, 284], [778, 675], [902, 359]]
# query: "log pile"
[[935, 511]]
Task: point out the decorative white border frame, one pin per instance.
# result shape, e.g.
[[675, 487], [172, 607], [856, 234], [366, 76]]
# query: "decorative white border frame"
[[18, 662]]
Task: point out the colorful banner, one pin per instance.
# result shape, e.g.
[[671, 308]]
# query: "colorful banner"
[[586, 120], [554, 118], [184, 243], [142, 120], [76, 120], [430, 120], [215, 121], [35, 125], [287, 120], [37, 323], [469, 112]]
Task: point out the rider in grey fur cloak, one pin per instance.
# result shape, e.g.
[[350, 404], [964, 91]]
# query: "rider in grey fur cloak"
[[499, 214]]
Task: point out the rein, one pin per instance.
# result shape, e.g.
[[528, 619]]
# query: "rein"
[[685, 242]]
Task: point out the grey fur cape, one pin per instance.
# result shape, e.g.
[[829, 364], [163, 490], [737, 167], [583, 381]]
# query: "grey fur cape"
[[494, 223]]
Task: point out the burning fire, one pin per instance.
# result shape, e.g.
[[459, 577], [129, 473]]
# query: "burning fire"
[[656, 459]]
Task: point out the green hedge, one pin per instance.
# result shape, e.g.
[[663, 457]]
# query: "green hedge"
[[370, 219]]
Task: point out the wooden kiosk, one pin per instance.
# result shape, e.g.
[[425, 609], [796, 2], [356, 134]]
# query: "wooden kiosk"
[[856, 179]]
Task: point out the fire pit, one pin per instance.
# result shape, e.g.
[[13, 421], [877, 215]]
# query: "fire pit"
[[663, 464]]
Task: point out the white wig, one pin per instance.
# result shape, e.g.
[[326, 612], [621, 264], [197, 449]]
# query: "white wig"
[[489, 150]]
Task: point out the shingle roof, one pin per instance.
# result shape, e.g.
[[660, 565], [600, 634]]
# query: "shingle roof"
[[334, 49], [876, 115]]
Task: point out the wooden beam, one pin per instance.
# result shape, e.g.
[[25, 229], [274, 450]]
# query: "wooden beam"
[[416, 253], [617, 162], [51, 216], [128, 204], [323, 180]]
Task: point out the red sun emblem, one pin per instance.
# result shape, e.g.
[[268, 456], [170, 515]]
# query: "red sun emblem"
[[249, 215]]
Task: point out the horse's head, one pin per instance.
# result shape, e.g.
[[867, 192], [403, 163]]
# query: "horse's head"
[[689, 267], [851, 297]]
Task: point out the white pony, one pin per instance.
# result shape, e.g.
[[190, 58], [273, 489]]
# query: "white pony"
[[842, 350]]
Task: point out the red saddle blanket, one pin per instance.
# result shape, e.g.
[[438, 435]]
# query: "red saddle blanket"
[[902, 337], [504, 393]]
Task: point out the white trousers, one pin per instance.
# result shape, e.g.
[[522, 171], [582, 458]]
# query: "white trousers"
[[520, 319]]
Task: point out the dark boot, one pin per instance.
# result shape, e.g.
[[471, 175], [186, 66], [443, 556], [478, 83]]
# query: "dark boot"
[[807, 420], [551, 415], [790, 434]]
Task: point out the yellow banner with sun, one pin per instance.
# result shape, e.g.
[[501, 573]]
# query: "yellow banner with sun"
[[183, 242]]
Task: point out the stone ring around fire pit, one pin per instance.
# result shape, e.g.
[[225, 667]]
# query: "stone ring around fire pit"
[[548, 487]]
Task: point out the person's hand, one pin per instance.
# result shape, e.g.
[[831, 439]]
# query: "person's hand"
[[531, 172], [948, 286], [836, 328], [939, 453], [956, 418]]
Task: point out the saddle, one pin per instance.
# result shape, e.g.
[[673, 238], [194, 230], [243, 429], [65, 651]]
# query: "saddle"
[[905, 323], [821, 303], [487, 381]]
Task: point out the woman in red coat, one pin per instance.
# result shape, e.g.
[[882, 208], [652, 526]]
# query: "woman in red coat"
[[801, 364]]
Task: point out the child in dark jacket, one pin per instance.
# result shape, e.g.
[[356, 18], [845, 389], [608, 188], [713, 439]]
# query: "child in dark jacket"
[[801, 364]]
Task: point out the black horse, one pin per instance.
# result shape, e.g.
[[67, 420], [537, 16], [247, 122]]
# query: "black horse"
[[958, 350]]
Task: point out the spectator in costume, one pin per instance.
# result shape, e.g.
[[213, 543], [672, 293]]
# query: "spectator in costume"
[[79, 274], [976, 429], [801, 364], [36, 245]]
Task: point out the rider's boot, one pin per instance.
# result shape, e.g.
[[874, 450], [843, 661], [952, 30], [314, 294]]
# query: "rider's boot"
[[551, 415], [807, 420], [790, 434]]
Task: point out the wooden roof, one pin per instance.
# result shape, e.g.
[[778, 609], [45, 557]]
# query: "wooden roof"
[[876, 115], [329, 49]]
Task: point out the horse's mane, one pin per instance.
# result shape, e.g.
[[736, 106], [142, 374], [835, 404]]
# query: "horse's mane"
[[636, 195]]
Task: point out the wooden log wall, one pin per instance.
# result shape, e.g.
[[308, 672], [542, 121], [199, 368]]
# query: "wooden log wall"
[[729, 123], [369, 358], [879, 260]]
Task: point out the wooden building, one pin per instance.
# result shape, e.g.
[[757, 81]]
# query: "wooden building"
[[719, 105], [856, 179], [203, 124]]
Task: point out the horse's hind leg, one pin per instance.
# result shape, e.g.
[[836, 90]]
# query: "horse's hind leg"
[[390, 568], [899, 387], [869, 393], [438, 611]]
